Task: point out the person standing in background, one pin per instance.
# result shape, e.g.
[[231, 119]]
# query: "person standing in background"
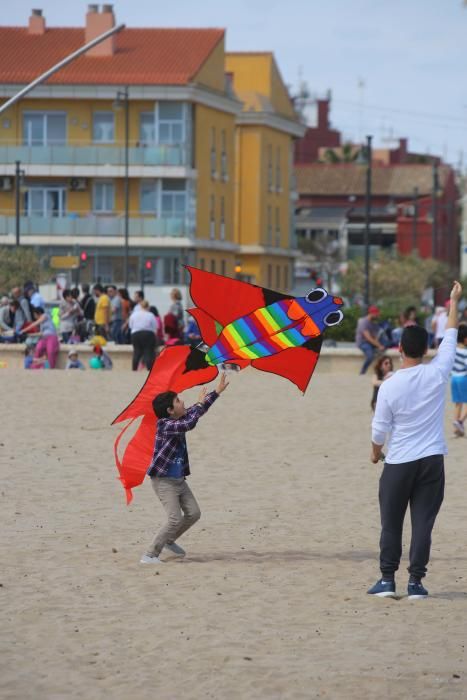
[[116, 317], [102, 312]]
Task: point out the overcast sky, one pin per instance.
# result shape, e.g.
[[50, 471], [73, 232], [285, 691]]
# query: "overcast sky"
[[395, 67]]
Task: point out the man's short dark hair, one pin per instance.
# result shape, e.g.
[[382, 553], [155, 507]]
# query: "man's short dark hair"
[[85, 288], [462, 333], [140, 293], [98, 287], [414, 341], [162, 402]]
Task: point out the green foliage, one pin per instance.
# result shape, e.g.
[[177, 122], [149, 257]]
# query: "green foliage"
[[17, 265], [395, 282], [346, 329]]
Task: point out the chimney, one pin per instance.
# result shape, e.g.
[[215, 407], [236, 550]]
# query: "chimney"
[[323, 114], [96, 24], [36, 23]]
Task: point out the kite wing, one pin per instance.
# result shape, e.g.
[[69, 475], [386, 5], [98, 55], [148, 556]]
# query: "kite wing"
[[225, 299], [296, 364], [167, 374]]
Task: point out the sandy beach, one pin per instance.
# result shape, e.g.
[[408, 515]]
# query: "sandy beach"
[[270, 602]]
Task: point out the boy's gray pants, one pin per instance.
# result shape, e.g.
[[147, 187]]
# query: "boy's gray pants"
[[181, 508]]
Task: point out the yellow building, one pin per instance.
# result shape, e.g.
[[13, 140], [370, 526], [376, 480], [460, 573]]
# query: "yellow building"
[[264, 137], [143, 137]]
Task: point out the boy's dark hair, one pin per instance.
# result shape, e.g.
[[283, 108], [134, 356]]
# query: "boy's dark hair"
[[462, 333], [140, 294], [162, 402], [414, 341], [98, 287]]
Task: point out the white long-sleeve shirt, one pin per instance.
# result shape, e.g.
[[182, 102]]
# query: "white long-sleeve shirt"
[[410, 407], [142, 320]]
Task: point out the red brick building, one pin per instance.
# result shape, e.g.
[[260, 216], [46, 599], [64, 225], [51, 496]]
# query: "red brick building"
[[340, 188]]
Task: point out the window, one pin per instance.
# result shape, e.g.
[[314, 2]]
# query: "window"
[[222, 220], [213, 265], [201, 263], [269, 276], [148, 197], [269, 232], [171, 271], [213, 153], [103, 197], [103, 127], [286, 277], [173, 199], [270, 180], [212, 217], [278, 171], [45, 201], [170, 122], [147, 129], [278, 227], [224, 173], [223, 267], [278, 276], [44, 128]]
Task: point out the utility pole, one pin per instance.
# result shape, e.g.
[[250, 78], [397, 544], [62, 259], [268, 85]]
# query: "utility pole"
[[123, 99], [18, 179], [434, 211], [415, 220], [368, 218]]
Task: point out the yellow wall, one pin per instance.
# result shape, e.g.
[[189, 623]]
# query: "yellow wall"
[[259, 73], [212, 73], [205, 258], [205, 120], [253, 195]]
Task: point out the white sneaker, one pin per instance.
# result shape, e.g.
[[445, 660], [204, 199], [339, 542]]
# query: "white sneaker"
[[175, 549], [145, 559]]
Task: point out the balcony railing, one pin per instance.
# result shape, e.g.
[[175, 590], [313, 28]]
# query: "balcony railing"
[[97, 226], [169, 154]]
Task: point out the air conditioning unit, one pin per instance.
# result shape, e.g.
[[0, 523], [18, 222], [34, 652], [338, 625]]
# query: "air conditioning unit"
[[78, 184], [6, 184]]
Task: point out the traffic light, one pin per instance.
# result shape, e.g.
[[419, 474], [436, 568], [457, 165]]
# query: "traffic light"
[[83, 259], [148, 265]]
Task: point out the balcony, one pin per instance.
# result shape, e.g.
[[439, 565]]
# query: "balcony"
[[99, 226], [177, 155]]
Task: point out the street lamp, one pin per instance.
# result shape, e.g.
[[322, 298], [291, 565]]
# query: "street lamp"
[[367, 219], [19, 174], [123, 101]]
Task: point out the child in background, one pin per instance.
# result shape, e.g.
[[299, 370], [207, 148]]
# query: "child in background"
[[459, 382], [383, 370], [73, 361]]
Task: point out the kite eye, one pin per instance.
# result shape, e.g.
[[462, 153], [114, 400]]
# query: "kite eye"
[[316, 295], [333, 318]]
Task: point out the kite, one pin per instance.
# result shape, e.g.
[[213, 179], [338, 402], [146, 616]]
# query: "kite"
[[241, 324]]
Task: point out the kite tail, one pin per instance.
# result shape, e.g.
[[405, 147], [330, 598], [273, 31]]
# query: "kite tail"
[[137, 455]]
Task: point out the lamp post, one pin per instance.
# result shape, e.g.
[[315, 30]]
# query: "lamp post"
[[367, 219], [122, 100], [19, 173], [415, 220], [434, 211]]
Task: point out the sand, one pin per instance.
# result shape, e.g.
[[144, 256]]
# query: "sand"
[[270, 601]]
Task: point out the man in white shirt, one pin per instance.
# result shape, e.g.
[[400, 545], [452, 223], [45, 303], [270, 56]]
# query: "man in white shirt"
[[410, 407]]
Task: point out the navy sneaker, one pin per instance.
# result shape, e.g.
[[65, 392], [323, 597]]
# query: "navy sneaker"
[[415, 591], [383, 589]]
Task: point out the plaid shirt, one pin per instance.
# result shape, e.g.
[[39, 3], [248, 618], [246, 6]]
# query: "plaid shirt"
[[170, 436]]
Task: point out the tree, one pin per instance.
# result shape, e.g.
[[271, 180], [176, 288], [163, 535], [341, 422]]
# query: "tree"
[[347, 153], [396, 282], [17, 265]]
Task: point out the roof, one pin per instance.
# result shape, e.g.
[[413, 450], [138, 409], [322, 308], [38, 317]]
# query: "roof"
[[142, 56], [348, 179]]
